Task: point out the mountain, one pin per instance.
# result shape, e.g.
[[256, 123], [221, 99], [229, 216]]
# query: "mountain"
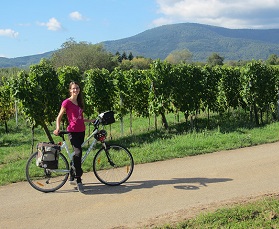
[[201, 40], [24, 61]]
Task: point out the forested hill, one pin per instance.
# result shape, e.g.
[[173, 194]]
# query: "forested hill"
[[24, 61], [201, 40]]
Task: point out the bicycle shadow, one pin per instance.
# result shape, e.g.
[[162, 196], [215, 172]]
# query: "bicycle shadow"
[[178, 183]]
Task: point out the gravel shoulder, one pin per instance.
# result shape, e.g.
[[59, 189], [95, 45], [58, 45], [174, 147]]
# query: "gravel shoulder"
[[156, 193]]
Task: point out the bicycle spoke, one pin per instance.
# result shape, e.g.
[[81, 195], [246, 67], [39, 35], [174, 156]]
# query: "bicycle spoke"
[[46, 180], [113, 166]]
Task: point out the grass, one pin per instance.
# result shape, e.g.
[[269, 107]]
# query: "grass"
[[149, 145], [258, 214], [145, 143]]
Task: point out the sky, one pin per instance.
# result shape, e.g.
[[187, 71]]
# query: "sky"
[[30, 27]]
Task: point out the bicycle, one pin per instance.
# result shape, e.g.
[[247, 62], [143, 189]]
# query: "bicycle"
[[112, 164]]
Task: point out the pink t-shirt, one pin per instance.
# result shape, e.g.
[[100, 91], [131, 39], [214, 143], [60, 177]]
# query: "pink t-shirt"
[[75, 116]]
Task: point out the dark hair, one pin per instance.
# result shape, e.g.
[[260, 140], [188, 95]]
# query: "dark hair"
[[80, 97]]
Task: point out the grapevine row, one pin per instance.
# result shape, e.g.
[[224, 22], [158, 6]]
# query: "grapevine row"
[[163, 88]]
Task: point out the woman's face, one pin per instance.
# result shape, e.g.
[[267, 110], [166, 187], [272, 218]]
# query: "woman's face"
[[74, 90]]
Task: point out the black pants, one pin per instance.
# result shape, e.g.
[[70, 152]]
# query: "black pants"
[[76, 139]]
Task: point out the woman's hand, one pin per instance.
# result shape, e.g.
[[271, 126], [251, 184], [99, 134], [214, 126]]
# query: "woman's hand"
[[56, 132]]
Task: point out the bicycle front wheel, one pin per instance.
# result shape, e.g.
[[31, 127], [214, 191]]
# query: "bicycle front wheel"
[[47, 180], [113, 165]]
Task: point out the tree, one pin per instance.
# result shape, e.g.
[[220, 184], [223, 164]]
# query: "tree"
[[121, 93], [39, 94], [215, 59], [273, 60], [132, 89], [187, 88], [130, 56], [230, 86], [136, 63], [99, 91], [160, 95], [67, 74], [124, 56], [133, 92], [259, 88], [141, 63], [118, 56], [83, 55], [141, 90], [179, 56], [211, 79], [6, 104], [126, 65]]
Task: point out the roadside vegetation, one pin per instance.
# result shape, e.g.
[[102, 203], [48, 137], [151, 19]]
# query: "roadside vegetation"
[[256, 214], [146, 143], [163, 111], [149, 145]]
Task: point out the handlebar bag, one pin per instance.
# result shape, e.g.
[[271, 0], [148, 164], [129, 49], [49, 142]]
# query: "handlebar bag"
[[107, 117], [48, 155]]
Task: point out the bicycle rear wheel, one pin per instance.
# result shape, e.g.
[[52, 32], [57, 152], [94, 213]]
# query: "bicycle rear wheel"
[[114, 165], [47, 180]]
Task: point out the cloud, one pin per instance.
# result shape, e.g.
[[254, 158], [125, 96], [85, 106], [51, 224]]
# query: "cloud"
[[24, 24], [76, 16], [53, 24], [8, 33], [229, 13]]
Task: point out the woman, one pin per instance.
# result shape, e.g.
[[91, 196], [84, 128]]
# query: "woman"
[[73, 107]]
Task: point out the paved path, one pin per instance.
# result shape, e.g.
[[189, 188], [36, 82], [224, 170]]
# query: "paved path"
[[156, 193]]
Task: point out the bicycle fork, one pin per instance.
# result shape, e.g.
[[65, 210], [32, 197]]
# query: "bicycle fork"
[[106, 148]]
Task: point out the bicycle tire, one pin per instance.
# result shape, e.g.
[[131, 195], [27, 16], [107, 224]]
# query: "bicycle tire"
[[118, 170], [47, 180]]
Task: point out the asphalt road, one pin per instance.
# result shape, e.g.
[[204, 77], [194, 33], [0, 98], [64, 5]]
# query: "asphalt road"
[[156, 193]]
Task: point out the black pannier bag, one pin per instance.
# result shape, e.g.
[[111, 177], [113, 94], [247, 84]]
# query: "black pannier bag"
[[107, 117], [48, 155]]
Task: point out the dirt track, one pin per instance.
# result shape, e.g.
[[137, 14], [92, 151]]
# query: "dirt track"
[[156, 193]]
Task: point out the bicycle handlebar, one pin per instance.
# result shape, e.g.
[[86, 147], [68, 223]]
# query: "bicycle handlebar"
[[96, 124], [62, 132]]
